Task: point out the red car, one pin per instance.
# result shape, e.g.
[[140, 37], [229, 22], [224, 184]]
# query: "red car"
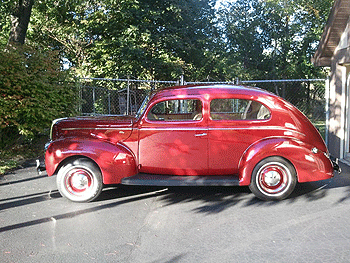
[[218, 135]]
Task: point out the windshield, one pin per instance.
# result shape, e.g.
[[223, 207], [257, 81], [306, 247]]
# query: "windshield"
[[142, 108]]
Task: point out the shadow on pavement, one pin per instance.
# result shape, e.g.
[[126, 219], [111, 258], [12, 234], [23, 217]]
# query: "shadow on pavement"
[[134, 197], [211, 200], [29, 199], [23, 180], [217, 199], [172, 260]]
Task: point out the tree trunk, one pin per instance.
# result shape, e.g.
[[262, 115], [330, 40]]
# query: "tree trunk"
[[19, 21]]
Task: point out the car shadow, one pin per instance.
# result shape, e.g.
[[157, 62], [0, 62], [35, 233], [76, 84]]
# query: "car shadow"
[[214, 200], [122, 191]]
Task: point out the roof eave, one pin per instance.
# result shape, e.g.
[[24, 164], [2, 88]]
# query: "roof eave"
[[322, 56], [322, 61]]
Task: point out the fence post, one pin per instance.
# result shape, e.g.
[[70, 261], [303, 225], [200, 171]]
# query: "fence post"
[[182, 80], [128, 97], [80, 90], [93, 100], [109, 101], [284, 90], [327, 110]]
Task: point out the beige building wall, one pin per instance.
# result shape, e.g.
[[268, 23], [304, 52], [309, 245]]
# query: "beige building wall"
[[338, 140]]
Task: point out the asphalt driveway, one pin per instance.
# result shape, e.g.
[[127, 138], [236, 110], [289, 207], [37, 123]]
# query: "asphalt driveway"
[[136, 224]]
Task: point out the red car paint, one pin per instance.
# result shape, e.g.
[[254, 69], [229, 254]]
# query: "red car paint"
[[214, 144]]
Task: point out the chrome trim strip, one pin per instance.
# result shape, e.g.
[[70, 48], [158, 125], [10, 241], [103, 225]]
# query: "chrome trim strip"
[[107, 128], [222, 129], [251, 128], [173, 129], [258, 128], [201, 134]]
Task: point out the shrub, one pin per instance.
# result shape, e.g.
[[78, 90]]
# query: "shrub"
[[33, 91]]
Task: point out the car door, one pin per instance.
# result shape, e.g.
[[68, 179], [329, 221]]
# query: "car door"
[[234, 124], [173, 138]]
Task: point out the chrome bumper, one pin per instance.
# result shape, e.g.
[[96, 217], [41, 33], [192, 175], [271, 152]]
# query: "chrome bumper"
[[40, 166], [335, 163], [40, 163]]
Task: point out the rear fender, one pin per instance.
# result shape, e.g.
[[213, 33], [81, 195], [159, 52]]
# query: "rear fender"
[[114, 161], [308, 165]]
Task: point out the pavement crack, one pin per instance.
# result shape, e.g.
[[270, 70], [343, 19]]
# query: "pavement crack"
[[137, 243]]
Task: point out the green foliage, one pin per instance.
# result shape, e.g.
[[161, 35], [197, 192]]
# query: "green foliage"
[[161, 39], [7, 165], [6, 7], [274, 39], [144, 39], [149, 39], [32, 92]]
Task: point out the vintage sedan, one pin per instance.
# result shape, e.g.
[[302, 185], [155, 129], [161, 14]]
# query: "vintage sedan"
[[214, 135]]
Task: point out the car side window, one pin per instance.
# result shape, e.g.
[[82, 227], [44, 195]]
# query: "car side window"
[[238, 109], [176, 110]]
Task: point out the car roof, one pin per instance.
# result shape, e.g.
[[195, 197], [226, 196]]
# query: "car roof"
[[187, 90]]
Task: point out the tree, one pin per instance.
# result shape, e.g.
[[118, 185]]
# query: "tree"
[[33, 92], [274, 38], [245, 42], [20, 20], [145, 39], [33, 87], [156, 39]]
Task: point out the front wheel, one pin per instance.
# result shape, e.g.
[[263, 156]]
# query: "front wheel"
[[273, 178], [80, 180]]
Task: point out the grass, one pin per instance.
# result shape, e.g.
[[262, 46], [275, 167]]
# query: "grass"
[[321, 127], [7, 165]]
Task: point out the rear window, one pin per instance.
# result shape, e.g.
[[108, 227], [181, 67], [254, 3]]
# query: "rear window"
[[238, 109]]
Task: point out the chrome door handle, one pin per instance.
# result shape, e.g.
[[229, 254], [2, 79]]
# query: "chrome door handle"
[[201, 134]]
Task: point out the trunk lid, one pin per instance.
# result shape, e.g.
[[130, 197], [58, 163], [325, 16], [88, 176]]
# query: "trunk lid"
[[110, 128]]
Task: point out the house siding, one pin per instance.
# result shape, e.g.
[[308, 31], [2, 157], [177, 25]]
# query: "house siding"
[[334, 51], [340, 69]]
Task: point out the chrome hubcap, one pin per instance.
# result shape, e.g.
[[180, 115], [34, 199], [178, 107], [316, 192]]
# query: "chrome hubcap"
[[273, 178], [78, 180]]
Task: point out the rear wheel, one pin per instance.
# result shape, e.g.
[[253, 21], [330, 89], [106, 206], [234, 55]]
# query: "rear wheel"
[[80, 180], [273, 178]]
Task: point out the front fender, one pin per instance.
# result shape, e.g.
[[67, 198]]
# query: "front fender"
[[308, 165], [114, 161]]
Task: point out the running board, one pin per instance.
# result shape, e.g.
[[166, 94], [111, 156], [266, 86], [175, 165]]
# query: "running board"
[[174, 180]]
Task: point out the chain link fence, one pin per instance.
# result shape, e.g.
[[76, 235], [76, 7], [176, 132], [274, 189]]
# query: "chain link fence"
[[115, 96], [308, 95], [124, 96]]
